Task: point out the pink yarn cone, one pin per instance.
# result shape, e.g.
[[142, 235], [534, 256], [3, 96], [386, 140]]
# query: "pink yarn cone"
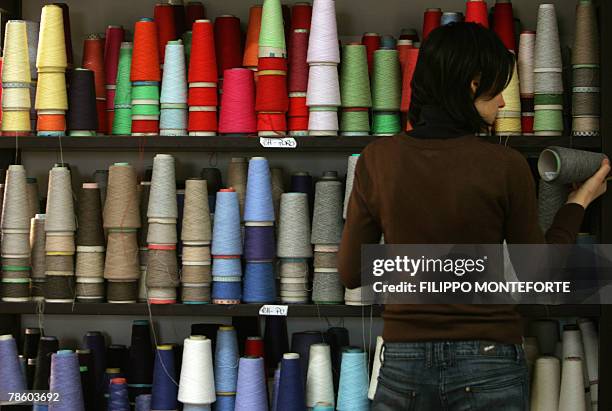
[[238, 102]]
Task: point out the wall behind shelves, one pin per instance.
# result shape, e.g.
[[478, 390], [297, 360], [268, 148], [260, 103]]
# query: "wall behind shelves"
[[354, 16]]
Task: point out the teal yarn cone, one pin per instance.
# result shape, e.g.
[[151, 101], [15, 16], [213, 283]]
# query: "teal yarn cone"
[[386, 82], [66, 382], [386, 123], [122, 122], [354, 78], [272, 32], [323, 407], [353, 391]]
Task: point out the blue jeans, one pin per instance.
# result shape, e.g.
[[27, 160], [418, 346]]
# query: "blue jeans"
[[452, 376]]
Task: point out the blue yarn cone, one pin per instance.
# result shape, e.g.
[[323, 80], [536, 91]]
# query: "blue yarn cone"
[[225, 403], [66, 382], [226, 361], [291, 389], [388, 42], [11, 377], [251, 394], [173, 122], [259, 243], [323, 407], [119, 399], [226, 290], [227, 267], [258, 204], [174, 82], [276, 387], [143, 402], [227, 235], [94, 341], [164, 391], [353, 391], [259, 283]]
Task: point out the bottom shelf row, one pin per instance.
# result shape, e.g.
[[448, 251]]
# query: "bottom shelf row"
[[236, 368]]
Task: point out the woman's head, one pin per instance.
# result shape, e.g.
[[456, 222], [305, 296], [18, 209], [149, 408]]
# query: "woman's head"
[[462, 69]]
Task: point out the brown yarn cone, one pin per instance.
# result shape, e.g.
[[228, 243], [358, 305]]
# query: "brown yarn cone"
[[89, 217], [122, 260], [121, 209]]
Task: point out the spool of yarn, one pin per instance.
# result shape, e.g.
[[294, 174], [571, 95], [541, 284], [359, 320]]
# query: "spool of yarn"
[[323, 86], [226, 362], [82, 117], [572, 394], [355, 89], [276, 341], [67, 36], [59, 289], [89, 215], [122, 292], [301, 343], [66, 381], [327, 287], [32, 32], [194, 11], [353, 391], [60, 208], [251, 390], [258, 204], [46, 347], [145, 53], [94, 341], [591, 352], [173, 119], [164, 390], [120, 210], [251, 48], [386, 81], [52, 52], [350, 177], [272, 33], [372, 43], [323, 41], [563, 165], [163, 15], [547, 49], [476, 12], [503, 23], [202, 62], [143, 402], [12, 379], [259, 243], [93, 59], [294, 227], [319, 383], [546, 384], [254, 347], [238, 103], [140, 370], [162, 198], [526, 59], [162, 270], [431, 21], [291, 389], [122, 257], [388, 42], [508, 121], [122, 121], [449, 17], [112, 46], [228, 43], [118, 395], [327, 219], [375, 368], [227, 238], [298, 67], [259, 283], [15, 218], [547, 334], [196, 214], [586, 39]]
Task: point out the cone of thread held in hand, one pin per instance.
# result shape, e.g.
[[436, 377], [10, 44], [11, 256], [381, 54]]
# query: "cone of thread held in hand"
[[562, 165]]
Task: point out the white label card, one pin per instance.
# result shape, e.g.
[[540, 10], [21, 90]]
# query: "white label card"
[[277, 310], [278, 142]]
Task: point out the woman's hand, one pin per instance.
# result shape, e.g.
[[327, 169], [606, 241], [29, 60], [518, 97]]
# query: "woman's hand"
[[585, 193]]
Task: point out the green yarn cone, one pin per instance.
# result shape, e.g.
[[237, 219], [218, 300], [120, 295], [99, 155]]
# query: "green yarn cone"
[[354, 78], [122, 122], [145, 110], [354, 123], [272, 32], [386, 85], [145, 93], [187, 46], [548, 122], [386, 124]]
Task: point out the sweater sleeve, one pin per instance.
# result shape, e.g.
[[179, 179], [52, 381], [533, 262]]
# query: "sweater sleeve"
[[522, 215], [361, 227]]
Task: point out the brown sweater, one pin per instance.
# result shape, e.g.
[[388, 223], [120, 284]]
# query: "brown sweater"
[[461, 190]]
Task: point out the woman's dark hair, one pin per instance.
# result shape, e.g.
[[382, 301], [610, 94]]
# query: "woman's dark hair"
[[450, 58]]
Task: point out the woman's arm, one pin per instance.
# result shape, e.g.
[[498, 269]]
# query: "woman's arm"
[[361, 227]]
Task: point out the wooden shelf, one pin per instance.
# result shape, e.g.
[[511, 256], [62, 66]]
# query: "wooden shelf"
[[249, 310], [252, 144]]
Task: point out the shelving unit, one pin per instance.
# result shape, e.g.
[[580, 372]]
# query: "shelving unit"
[[12, 148]]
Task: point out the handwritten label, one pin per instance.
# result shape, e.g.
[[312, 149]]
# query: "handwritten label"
[[278, 142], [277, 310]]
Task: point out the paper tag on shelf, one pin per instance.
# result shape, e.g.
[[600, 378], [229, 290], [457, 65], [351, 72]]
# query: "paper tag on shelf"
[[277, 310], [278, 142]]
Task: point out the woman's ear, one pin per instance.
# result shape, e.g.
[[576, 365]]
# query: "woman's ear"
[[474, 85]]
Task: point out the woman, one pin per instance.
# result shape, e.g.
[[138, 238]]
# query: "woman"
[[444, 185]]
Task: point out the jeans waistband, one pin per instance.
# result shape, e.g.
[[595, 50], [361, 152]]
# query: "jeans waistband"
[[435, 352]]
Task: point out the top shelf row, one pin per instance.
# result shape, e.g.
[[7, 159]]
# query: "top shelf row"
[[255, 144]]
